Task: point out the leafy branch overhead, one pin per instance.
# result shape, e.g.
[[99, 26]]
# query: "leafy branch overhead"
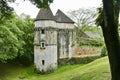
[[42, 3], [6, 10], [99, 19]]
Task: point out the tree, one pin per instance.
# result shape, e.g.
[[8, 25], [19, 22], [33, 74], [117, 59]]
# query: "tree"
[[26, 24], [5, 10], [10, 40], [83, 17], [108, 20], [42, 3], [15, 33], [16, 39]]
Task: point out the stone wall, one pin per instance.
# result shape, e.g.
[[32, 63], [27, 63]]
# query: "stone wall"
[[45, 23], [45, 49], [45, 59], [52, 41], [65, 25], [82, 51], [65, 43]]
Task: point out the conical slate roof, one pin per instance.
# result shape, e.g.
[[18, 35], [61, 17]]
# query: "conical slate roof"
[[45, 14], [62, 18]]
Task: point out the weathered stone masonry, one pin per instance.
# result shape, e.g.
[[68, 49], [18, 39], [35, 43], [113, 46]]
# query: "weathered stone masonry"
[[53, 39]]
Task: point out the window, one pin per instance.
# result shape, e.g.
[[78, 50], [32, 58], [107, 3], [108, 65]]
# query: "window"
[[43, 62], [42, 44], [42, 31]]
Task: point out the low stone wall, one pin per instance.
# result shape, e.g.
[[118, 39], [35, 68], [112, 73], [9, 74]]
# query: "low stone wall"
[[86, 51]]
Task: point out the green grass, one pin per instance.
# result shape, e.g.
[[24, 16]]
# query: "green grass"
[[96, 70]]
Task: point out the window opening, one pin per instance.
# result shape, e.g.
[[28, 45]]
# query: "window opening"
[[42, 44], [43, 62], [42, 31]]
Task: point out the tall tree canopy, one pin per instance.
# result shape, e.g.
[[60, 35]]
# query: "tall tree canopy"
[[5, 10], [42, 3], [16, 39]]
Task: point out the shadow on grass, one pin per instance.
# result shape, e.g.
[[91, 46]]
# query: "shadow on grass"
[[3, 70]]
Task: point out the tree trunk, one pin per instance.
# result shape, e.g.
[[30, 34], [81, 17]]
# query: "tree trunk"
[[111, 37], [113, 47]]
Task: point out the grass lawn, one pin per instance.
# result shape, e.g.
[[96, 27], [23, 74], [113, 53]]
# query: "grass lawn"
[[96, 70]]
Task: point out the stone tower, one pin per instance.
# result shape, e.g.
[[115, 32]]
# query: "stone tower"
[[45, 42], [53, 39]]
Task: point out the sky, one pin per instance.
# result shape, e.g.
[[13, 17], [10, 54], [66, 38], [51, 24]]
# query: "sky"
[[21, 6]]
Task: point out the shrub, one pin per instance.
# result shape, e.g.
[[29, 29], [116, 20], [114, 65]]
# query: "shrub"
[[63, 61], [103, 51], [26, 59], [91, 42], [77, 60], [83, 60]]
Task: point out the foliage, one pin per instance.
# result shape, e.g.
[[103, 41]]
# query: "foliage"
[[103, 51], [10, 39], [77, 60], [9, 44], [16, 39], [42, 3], [100, 17], [92, 29], [79, 34], [83, 60], [83, 39], [91, 42], [26, 25], [17, 33], [5, 10]]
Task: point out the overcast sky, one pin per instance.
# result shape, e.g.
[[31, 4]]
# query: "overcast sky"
[[21, 6]]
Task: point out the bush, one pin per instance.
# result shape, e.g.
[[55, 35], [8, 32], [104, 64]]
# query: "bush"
[[26, 59], [83, 60], [64, 61], [103, 51], [91, 42], [77, 60]]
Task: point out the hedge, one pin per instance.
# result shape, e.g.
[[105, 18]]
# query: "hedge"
[[77, 60]]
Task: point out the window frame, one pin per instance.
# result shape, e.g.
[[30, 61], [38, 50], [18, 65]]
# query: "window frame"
[[42, 45]]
